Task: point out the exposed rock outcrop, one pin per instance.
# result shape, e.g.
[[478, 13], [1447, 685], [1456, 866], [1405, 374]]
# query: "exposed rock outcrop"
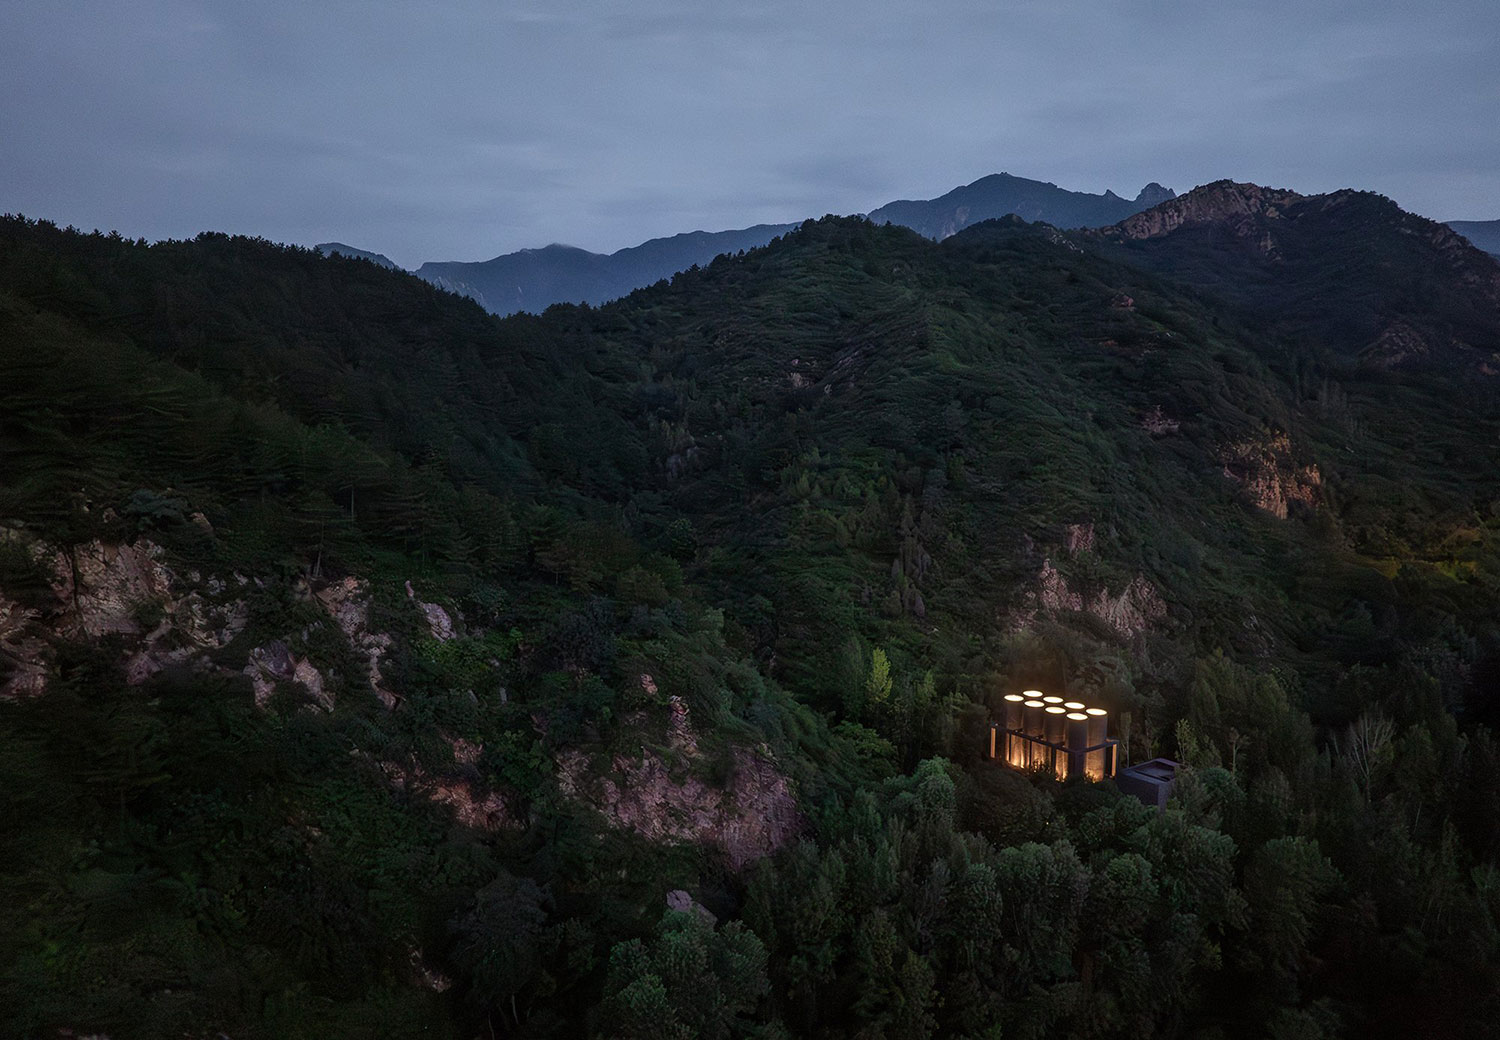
[[109, 589], [750, 817], [103, 587], [1158, 424], [1271, 478], [1080, 537], [24, 658], [472, 806], [1131, 611], [438, 621], [1240, 208], [274, 663], [680, 726], [1399, 343], [348, 603], [188, 631]]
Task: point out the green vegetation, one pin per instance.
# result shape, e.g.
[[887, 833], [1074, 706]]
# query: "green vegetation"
[[827, 501]]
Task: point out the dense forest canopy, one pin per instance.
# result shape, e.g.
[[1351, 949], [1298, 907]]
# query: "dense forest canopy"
[[375, 666]]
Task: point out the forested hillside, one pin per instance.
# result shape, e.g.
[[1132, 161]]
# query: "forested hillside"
[[374, 666]]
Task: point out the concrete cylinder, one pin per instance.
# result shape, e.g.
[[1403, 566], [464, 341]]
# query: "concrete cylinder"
[[1078, 739], [1055, 722], [1056, 759], [1098, 723], [1033, 724], [1029, 752], [1014, 717]]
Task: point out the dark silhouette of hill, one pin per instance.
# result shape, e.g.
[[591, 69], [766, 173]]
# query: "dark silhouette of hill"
[[1000, 194], [534, 279], [339, 249]]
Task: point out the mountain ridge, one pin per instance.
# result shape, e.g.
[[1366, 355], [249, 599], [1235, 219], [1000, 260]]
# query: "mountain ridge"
[[340, 249], [1000, 193], [533, 279], [420, 670], [1405, 290]]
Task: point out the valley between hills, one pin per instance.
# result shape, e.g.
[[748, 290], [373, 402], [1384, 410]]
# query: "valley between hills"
[[375, 665]]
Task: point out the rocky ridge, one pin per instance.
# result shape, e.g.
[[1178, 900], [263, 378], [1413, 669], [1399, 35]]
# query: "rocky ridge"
[[1239, 207]]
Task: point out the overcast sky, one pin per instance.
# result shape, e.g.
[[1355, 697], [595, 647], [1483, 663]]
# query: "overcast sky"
[[460, 130]]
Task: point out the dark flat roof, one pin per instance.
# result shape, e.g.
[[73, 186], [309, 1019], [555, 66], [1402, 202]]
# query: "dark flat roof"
[[1158, 769]]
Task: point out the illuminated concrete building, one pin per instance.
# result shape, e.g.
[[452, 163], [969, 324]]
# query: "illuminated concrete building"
[[1064, 738]]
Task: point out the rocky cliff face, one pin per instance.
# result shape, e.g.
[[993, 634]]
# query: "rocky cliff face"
[[1136, 608], [162, 619], [748, 819], [1271, 477], [1348, 270], [751, 816], [1241, 208]]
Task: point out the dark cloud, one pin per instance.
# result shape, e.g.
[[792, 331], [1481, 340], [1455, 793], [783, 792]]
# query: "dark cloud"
[[464, 130]]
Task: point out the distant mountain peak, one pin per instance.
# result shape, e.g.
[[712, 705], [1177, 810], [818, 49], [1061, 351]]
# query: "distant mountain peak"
[[340, 249], [1154, 194], [1219, 202], [997, 194]]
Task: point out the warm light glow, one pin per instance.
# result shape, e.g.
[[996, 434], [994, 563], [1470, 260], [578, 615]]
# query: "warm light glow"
[[1034, 695], [1014, 697], [1053, 699], [1073, 705], [1078, 716], [1035, 704], [1098, 732]]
